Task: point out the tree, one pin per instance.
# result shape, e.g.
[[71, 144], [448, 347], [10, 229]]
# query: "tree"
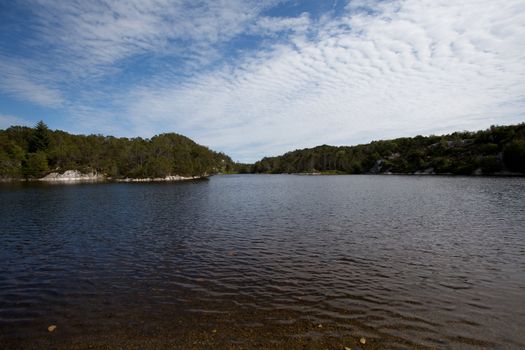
[[457, 153], [158, 167], [36, 164], [40, 138]]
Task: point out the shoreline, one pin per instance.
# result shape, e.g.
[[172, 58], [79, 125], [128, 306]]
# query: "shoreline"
[[75, 176], [99, 178], [505, 174], [171, 178]]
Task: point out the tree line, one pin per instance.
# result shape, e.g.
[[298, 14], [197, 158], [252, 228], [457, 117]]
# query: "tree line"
[[495, 150], [34, 152]]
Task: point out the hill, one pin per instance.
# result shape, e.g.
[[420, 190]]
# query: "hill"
[[497, 150], [34, 152]]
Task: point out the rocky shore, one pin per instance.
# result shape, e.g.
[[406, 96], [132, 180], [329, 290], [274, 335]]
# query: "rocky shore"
[[73, 175], [161, 179], [78, 176]]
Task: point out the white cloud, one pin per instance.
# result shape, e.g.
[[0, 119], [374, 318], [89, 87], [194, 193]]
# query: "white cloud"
[[380, 69], [273, 25], [28, 83], [412, 67], [10, 120], [95, 34]]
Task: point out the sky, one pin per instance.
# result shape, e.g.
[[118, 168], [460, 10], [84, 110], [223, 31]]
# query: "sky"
[[260, 78]]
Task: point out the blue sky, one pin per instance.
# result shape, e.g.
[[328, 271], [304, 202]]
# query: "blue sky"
[[258, 78]]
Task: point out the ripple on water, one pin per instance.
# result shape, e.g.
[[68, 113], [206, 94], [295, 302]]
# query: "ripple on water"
[[266, 261]]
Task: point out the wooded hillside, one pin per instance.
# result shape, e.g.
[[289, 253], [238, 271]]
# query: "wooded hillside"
[[495, 150], [34, 152]]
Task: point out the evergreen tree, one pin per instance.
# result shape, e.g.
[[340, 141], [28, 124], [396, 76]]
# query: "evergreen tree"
[[40, 138]]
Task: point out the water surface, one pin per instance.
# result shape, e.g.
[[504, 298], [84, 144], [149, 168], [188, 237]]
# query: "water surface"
[[265, 261]]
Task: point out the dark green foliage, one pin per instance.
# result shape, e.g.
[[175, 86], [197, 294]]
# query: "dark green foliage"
[[240, 168], [514, 155], [40, 139], [490, 164], [11, 157], [496, 150], [35, 165], [33, 152]]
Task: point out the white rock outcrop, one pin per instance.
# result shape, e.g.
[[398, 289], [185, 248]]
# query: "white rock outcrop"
[[73, 175], [159, 179]]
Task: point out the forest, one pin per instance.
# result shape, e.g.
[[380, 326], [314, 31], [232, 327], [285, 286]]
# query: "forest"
[[29, 153], [497, 150], [34, 152]]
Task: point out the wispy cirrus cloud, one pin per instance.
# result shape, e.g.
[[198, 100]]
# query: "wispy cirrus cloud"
[[253, 79], [267, 25], [26, 81], [96, 34], [8, 120]]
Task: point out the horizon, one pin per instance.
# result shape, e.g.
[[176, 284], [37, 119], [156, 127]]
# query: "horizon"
[[258, 79], [285, 152]]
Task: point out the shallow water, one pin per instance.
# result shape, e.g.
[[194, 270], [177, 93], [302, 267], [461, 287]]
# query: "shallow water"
[[265, 261]]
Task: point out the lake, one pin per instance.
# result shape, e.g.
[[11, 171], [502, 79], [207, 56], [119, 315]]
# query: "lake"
[[265, 261]]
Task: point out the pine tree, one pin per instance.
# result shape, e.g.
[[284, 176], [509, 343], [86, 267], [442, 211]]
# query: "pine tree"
[[40, 139]]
